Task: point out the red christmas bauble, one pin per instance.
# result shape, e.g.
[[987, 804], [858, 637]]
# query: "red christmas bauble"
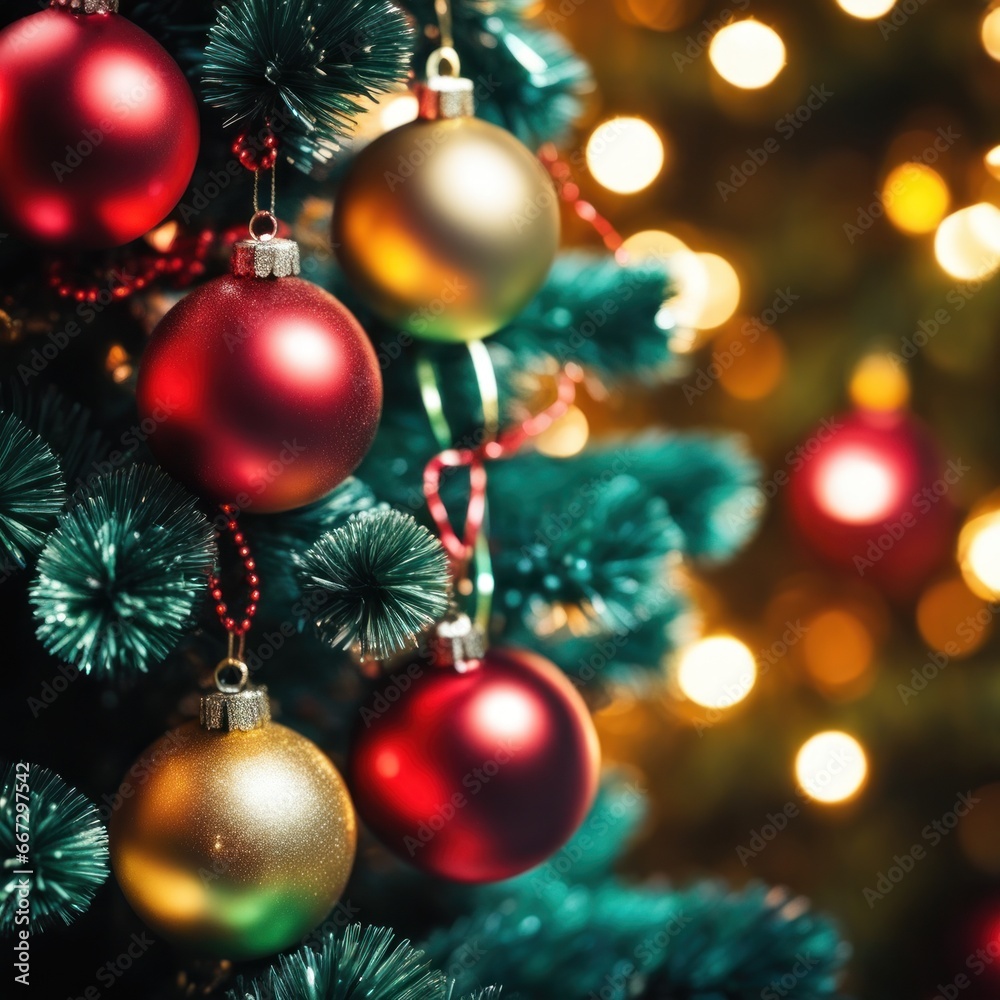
[[263, 392], [475, 776], [98, 128], [869, 492]]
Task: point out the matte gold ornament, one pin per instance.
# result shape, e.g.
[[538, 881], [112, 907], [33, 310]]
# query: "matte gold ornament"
[[234, 837], [446, 226]]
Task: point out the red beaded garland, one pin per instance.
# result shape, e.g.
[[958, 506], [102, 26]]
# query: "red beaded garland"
[[229, 623], [257, 152]]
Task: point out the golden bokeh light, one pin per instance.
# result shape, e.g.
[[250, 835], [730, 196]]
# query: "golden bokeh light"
[[979, 554], [567, 436], [689, 278], [747, 54], [660, 15], [162, 238], [831, 767], [625, 154], [118, 364], [916, 198], [992, 162], [755, 372], [723, 295], [653, 244], [878, 383], [990, 33], [837, 648], [967, 243], [718, 671], [952, 619], [867, 10], [396, 110], [977, 830]]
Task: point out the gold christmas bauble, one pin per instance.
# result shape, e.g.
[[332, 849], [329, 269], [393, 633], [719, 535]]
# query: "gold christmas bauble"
[[233, 844], [446, 227]]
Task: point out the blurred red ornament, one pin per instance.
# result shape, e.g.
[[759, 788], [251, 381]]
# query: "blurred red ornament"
[[869, 492], [261, 391], [98, 127], [475, 776]]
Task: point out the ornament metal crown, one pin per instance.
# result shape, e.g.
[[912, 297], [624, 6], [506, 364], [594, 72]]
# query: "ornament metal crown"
[[86, 6]]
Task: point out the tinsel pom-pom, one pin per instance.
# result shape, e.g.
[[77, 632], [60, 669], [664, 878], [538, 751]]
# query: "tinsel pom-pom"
[[302, 66], [52, 873], [359, 964], [32, 491], [119, 577], [64, 425], [377, 582]]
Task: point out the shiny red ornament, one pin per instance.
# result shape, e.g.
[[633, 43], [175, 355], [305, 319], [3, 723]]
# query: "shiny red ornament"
[[262, 392], [98, 129], [869, 492], [475, 776]]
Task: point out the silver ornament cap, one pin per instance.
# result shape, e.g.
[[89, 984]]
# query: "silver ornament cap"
[[86, 6], [443, 97], [456, 642], [243, 710], [271, 258]]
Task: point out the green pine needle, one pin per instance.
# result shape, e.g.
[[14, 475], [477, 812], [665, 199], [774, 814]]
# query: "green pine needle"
[[383, 579], [360, 964], [32, 491], [533, 82], [64, 425], [119, 577], [66, 850], [302, 64], [601, 315]]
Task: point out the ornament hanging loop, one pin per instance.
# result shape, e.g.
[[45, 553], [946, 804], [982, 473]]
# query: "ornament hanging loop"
[[264, 255], [224, 666], [259, 234], [443, 62]]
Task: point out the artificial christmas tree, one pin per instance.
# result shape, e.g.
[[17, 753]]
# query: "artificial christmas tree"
[[538, 470]]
